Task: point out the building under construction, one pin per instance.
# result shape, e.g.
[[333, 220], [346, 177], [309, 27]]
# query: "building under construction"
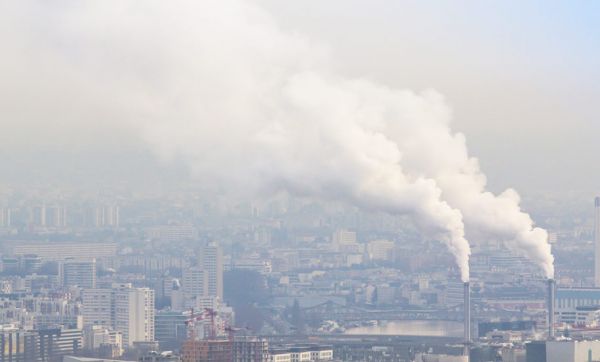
[[207, 350], [241, 349], [219, 349], [250, 349]]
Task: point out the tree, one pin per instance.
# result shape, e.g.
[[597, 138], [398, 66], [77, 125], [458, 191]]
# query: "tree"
[[297, 318], [244, 290]]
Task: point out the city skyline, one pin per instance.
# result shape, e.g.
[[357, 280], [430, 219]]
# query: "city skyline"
[[299, 181]]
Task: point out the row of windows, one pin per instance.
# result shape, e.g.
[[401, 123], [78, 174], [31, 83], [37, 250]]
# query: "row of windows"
[[572, 302]]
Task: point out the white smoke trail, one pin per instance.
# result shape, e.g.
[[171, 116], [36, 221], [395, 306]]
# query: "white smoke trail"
[[444, 157], [250, 107]]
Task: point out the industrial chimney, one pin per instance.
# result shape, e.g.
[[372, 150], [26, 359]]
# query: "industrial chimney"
[[551, 299], [467, 319], [597, 242]]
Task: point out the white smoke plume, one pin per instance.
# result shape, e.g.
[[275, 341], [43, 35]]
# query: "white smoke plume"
[[250, 107]]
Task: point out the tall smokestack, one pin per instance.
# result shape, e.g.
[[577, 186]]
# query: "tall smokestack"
[[597, 242], [467, 321], [551, 299]]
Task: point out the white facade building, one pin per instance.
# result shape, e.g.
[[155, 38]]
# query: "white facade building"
[[96, 336], [211, 261], [123, 308], [572, 351], [134, 313], [97, 307], [426, 357], [301, 353], [381, 249], [344, 237]]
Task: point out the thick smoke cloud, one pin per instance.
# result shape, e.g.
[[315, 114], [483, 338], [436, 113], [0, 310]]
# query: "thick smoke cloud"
[[252, 108]]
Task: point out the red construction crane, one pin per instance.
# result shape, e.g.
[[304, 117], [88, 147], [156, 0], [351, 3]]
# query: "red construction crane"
[[191, 323], [212, 314]]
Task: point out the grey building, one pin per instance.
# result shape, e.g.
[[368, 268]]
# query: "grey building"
[[170, 329], [81, 273]]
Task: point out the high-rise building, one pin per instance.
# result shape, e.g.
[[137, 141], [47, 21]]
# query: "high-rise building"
[[597, 241], [38, 216], [5, 217], [123, 308], [48, 216], [342, 236], [211, 261], [56, 216], [195, 282], [134, 313], [56, 343], [30, 263], [177, 296], [103, 216], [112, 216], [81, 273], [18, 345], [97, 307]]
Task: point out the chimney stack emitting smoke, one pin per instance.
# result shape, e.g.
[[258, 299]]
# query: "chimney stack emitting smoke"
[[265, 113], [551, 300], [467, 316], [597, 242]]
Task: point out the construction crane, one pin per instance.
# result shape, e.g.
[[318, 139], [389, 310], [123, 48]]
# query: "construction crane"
[[210, 348], [191, 323], [212, 314]]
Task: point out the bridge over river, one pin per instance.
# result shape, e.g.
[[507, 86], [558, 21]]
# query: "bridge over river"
[[345, 314]]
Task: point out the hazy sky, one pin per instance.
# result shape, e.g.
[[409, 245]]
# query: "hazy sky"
[[520, 77]]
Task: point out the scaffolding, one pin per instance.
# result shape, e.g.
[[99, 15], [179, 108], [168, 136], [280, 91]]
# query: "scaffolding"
[[212, 349]]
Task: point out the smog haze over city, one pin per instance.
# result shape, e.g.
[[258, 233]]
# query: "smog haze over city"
[[264, 180]]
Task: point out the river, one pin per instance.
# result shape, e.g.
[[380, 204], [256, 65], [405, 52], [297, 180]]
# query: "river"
[[430, 328]]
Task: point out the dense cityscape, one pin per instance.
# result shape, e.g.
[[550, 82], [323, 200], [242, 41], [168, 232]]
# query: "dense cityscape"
[[174, 277], [299, 181]]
